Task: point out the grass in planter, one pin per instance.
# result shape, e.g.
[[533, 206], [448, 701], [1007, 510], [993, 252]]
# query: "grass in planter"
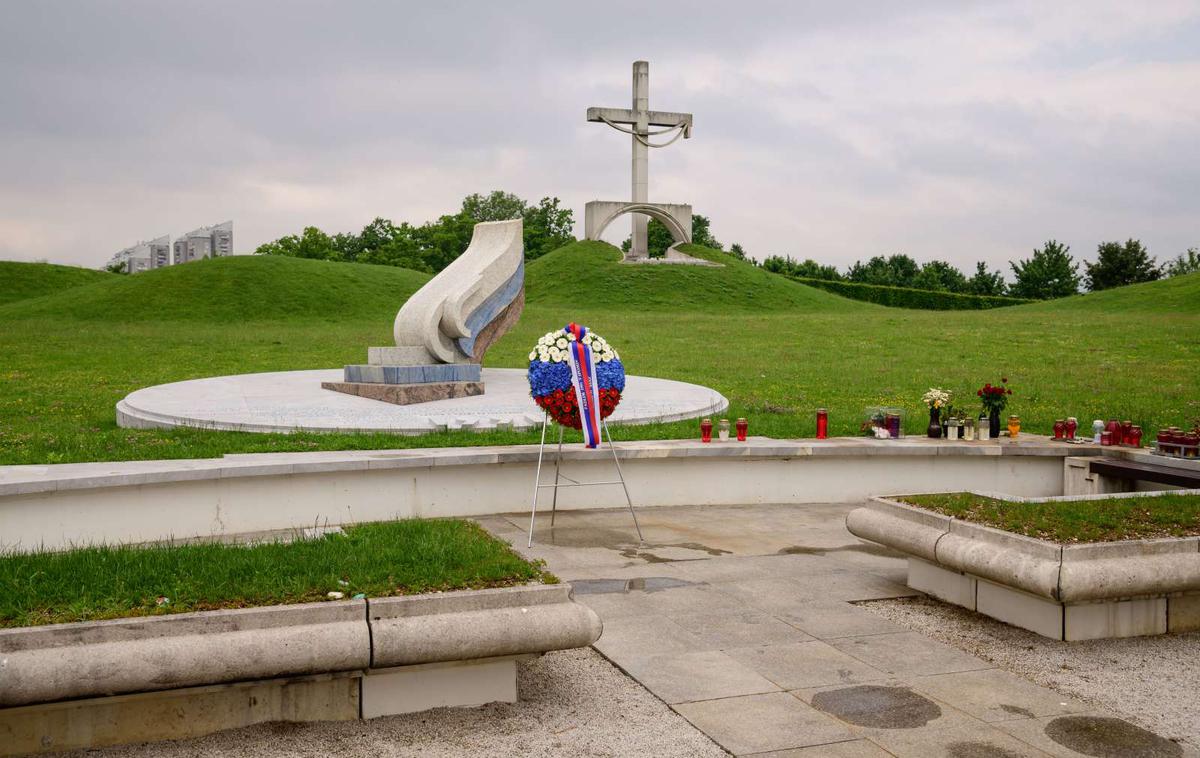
[[1100, 520], [378, 559]]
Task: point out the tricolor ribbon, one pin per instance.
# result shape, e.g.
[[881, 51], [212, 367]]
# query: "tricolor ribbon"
[[583, 378]]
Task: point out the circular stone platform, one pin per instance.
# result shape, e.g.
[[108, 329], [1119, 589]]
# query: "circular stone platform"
[[290, 401]]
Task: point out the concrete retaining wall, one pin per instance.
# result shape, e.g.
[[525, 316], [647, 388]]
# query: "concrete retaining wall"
[[56, 506]]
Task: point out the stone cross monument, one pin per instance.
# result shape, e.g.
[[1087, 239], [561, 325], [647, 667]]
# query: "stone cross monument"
[[637, 122]]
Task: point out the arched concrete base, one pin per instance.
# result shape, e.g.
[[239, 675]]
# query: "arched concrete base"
[[677, 217]]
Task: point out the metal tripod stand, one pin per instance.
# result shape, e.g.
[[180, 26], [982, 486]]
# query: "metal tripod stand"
[[538, 486]]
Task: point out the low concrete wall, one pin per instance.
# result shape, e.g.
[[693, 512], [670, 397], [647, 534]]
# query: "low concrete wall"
[[1071, 592], [137, 501], [82, 685]]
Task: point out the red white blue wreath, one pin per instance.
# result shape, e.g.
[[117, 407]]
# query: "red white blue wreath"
[[559, 368]]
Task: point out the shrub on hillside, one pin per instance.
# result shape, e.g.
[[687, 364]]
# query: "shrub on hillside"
[[907, 297]]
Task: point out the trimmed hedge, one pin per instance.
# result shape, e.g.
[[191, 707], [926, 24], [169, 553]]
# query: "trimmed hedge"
[[907, 297]]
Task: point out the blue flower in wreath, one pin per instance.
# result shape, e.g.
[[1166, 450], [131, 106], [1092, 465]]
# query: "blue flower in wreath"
[[550, 376]]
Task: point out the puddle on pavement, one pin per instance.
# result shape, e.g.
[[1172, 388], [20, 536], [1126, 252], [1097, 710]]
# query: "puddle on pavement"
[[622, 542], [978, 750], [879, 707], [642, 584], [1017, 710], [869, 549], [1109, 738]]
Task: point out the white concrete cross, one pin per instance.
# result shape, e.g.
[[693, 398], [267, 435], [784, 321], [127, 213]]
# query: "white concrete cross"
[[639, 119]]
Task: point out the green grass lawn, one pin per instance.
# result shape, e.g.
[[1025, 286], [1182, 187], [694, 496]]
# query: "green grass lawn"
[[777, 349], [378, 560], [1076, 520]]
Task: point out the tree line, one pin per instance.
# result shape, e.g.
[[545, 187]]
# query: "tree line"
[[431, 246], [1050, 272]]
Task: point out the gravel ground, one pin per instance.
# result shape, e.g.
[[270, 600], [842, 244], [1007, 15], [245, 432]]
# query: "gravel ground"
[[1148, 680], [572, 703]]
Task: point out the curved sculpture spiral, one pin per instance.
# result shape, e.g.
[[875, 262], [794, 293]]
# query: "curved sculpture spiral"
[[459, 313]]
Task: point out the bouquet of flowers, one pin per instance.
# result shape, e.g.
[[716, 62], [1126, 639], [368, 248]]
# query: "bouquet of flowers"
[[550, 376], [994, 398], [936, 398]]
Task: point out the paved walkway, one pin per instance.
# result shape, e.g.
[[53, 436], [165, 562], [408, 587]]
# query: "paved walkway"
[[742, 620]]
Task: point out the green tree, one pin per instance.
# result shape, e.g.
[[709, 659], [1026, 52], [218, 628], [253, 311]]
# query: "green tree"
[[737, 251], [495, 206], [547, 227], [1184, 263], [117, 267], [1051, 272], [894, 271], [986, 282], [1118, 265], [940, 276], [808, 268]]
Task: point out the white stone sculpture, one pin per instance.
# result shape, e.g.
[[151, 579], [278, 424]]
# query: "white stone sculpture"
[[444, 329]]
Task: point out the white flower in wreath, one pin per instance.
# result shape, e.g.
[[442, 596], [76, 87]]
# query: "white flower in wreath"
[[570, 336], [533, 354], [556, 355], [561, 344], [589, 338], [543, 355], [607, 355]]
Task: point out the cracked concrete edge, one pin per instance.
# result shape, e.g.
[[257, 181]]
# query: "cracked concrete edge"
[[1068, 574], [103, 658]]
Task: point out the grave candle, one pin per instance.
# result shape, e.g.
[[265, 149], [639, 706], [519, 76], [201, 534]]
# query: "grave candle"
[[723, 430], [822, 423], [742, 428], [1014, 426], [1072, 425], [1060, 428], [706, 430], [1097, 430]]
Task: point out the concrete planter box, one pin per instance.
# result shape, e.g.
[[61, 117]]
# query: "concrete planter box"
[[108, 682], [1067, 592]]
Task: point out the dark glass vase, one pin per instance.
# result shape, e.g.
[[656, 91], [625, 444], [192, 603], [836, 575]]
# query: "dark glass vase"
[[994, 424], [935, 426]]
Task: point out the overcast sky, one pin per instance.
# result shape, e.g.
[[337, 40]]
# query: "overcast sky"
[[961, 131]]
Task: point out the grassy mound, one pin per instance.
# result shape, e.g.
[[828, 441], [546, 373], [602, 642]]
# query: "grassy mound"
[[234, 289], [1179, 294], [588, 275], [22, 281]]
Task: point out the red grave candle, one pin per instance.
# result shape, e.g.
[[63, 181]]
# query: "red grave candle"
[[822, 424]]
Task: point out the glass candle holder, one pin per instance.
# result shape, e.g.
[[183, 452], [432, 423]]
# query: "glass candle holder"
[[1097, 429], [969, 430], [1106, 438], [893, 425], [1072, 426], [742, 427], [706, 430], [1014, 426], [1113, 427], [723, 430], [1135, 436], [1060, 428], [985, 428], [822, 424]]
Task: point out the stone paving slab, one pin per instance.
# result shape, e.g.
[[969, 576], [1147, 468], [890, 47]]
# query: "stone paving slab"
[[705, 615], [689, 677], [995, 695], [758, 723], [805, 664]]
